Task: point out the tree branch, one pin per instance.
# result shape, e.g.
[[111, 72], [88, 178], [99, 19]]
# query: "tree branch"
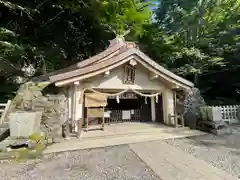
[[62, 11]]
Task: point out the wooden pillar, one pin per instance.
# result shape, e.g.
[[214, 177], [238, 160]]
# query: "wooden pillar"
[[165, 108], [168, 107], [153, 109], [182, 111], [74, 101], [77, 108], [70, 91], [70, 106], [175, 108]]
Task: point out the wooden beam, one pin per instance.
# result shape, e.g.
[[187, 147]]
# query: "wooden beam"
[[133, 62], [103, 119], [177, 88], [81, 120], [107, 73], [75, 108], [74, 101], [153, 76], [76, 83], [87, 120], [82, 77], [175, 108]]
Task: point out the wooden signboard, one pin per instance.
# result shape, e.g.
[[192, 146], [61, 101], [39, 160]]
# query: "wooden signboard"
[[95, 100], [95, 112]]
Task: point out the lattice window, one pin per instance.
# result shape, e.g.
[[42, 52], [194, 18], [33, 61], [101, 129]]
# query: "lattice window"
[[129, 74]]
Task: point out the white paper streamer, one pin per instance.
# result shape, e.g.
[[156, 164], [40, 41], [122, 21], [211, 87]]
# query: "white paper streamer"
[[118, 100]]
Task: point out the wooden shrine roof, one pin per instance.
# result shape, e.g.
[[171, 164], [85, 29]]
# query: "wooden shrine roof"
[[118, 53]]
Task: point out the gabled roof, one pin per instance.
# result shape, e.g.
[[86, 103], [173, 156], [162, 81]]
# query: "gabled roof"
[[118, 53]]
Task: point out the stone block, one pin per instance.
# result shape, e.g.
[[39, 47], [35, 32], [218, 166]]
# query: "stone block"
[[23, 124], [190, 119], [214, 127], [222, 131]]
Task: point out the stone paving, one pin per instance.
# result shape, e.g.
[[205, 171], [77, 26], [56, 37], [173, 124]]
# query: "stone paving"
[[222, 152], [182, 155], [111, 163], [171, 163], [155, 160]]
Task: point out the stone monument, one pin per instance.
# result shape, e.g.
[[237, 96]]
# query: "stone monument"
[[24, 124]]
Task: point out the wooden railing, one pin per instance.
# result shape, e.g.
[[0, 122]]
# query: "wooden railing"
[[3, 110]]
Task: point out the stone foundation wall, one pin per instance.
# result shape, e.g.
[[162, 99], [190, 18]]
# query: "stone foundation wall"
[[54, 116]]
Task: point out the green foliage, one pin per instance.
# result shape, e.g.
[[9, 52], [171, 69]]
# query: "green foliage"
[[194, 38], [124, 15], [9, 49], [201, 32], [40, 36]]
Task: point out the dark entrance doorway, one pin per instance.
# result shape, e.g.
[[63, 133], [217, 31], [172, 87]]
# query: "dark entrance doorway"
[[132, 109]]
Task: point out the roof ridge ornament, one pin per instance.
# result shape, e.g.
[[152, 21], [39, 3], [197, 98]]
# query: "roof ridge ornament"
[[117, 40], [130, 45]]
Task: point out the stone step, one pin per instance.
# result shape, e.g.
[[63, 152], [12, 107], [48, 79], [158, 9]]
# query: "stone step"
[[134, 133], [84, 143]]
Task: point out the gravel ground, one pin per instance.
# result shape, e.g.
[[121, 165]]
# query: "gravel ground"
[[221, 151], [111, 163]]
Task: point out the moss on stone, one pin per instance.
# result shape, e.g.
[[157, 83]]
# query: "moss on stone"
[[36, 137]]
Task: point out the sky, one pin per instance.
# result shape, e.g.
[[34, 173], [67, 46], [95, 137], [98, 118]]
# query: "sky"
[[155, 3]]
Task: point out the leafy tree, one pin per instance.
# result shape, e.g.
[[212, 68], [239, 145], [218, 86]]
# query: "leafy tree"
[[197, 44], [44, 35], [197, 38]]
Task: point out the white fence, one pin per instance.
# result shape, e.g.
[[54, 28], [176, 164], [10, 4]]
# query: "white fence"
[[225, 113]]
